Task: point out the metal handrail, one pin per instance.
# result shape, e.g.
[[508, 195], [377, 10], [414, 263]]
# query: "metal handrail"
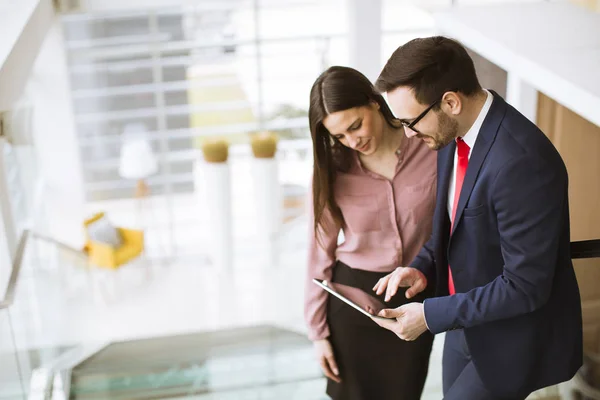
[[60, 244], [9, 295], [585, 249], [579, 249]]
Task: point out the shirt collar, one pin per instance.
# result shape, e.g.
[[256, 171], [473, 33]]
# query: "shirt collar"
[[471, 136], [400, 152]]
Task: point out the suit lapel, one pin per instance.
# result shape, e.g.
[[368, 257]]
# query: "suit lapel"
[[446, 163], [484, 142], [445, 166]]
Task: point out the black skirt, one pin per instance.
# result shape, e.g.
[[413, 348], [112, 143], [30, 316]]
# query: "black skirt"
[[374, 363]]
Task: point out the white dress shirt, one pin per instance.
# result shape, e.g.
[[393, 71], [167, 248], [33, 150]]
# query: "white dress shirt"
[[469, 138]]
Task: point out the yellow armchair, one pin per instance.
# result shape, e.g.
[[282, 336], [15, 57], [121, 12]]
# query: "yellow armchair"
[[103, 255]]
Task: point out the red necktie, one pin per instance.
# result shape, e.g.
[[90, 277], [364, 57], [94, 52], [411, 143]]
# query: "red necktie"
[[462, 150]]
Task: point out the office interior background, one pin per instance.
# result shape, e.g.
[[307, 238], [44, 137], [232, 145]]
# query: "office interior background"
[[183, 123]]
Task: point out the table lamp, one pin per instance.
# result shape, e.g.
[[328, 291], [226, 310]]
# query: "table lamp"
[[138, 161]]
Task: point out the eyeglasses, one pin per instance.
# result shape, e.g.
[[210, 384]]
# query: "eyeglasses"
[[410, 125]]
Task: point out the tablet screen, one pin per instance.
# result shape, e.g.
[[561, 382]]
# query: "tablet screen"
[[357, 298]]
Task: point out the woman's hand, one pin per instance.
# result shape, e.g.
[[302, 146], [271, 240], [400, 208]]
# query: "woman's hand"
[[327, 360]]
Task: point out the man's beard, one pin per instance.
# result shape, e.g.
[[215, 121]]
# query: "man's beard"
[[447, 132]]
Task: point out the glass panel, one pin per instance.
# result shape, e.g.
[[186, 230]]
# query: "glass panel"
[[178, 122], [96, 103], [102, 174], [5, 262], [180, 144], [261, 361], [183, 187], [114, 192], [16, 191], [106, 76], [94, 30], [52, 287], [11, 384], [181, 167], [176, 98], [188, 59], [175, 73], [89, 130], [172, 26], [100, 153]]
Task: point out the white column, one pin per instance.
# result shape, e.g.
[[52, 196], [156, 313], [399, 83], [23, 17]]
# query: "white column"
[[7, 222], [213, 184], [56, 140], [364, 36], [269, 207], [522, 96]]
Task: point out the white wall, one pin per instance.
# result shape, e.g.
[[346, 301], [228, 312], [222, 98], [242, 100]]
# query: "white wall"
[[120, 5], [23, 25], [56, 140]]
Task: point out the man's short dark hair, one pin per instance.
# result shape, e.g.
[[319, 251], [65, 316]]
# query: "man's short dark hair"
[[430, 66]]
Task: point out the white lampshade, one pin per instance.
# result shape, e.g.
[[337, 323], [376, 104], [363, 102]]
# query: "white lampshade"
[[137, 159]]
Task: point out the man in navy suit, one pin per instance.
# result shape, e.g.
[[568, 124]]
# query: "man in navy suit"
[[506, 292]]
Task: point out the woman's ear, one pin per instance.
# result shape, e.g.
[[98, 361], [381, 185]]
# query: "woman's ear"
[[375, 104]]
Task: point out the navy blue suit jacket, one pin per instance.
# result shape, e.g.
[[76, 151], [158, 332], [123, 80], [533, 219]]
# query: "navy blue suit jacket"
[[517, 296]]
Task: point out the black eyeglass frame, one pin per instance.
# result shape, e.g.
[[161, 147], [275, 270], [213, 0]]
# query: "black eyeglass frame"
[[410, 125]]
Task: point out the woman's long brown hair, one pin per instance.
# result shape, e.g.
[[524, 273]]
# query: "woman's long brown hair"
[[336, 89]]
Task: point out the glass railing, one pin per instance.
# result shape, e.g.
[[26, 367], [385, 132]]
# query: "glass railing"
[[42, 358], [33, 314], [12, 372], [244, 363], [11, 382]]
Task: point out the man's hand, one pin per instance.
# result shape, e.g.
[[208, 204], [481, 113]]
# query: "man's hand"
[[409, 323], [401, 277]]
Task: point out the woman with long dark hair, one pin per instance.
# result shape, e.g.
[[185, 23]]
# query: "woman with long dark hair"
[[377, 187]]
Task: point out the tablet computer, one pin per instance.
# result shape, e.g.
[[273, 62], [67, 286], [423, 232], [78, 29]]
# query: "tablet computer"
[[358, 299]]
